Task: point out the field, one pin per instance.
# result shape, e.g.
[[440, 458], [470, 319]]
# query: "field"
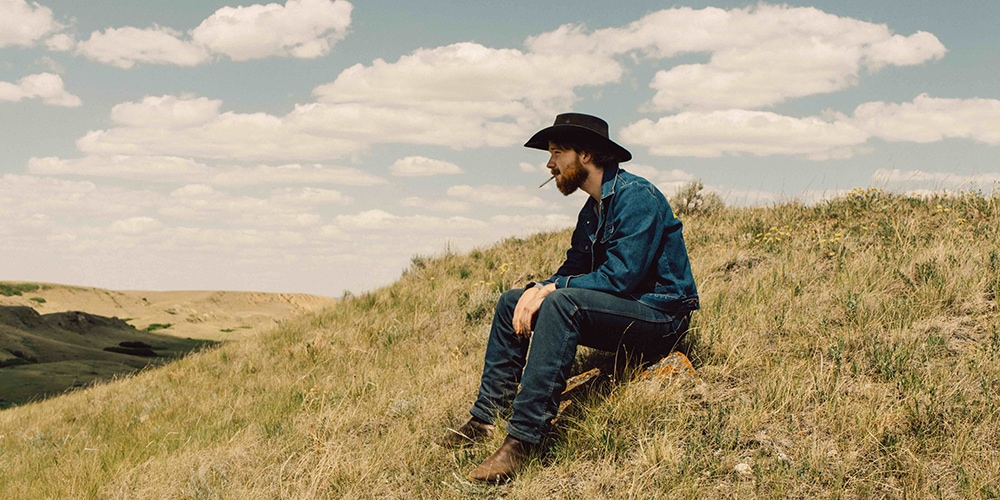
[[849, 349]]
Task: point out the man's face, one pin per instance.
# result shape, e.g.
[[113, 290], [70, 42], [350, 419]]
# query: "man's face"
[[565, 164]]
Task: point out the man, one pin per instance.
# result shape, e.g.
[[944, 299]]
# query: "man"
[[626, 285]]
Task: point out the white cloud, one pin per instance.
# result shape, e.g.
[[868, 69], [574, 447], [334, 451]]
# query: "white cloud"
[[532, 168], [759, 56], [285, 208], [437, 205], [295, 174], [930, 119], [499, 196], [146, 168], [301, 28], [173, 169], [23, 24], [834, 135], [166, 112], [459, 95], [45, 86], [759, 133], [23, 196], [899, 179], [382, 221], [60, 42], [124, 47], [419, 105], [135, 225], [309, 196], [667, 181], [419, 166], [194, 127]]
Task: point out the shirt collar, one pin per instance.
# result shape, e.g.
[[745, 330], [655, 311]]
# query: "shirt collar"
[[608, 181]]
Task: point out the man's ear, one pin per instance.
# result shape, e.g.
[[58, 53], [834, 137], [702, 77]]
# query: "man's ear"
[[585, 156]]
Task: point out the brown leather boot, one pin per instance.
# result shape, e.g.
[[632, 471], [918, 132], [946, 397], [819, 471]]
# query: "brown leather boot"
[[502, 464], [472, 432]]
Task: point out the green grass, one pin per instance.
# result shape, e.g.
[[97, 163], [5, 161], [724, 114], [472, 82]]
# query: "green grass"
[[158, 326], [846, 350], [16, 289]]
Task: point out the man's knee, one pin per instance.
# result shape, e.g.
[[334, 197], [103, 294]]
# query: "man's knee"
[[562, 299]]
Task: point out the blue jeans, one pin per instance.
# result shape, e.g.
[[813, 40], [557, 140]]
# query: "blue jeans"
[[568, 317]]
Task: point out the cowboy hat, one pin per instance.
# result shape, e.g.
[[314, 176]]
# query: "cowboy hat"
[[578, 125]]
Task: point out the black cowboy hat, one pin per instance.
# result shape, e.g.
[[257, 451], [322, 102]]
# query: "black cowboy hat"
[[590, 128]]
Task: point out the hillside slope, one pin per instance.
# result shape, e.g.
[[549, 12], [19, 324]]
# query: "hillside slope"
[[851, 349], [212, 315]]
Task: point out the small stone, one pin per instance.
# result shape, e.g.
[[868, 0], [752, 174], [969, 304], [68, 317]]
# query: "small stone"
[[744, 469]]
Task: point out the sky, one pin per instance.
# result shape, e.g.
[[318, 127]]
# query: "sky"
[[317, 146]]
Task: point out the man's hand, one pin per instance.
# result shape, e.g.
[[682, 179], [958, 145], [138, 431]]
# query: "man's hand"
[[527, 309]]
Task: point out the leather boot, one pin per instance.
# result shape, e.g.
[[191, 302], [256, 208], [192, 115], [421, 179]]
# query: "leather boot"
[[472, 432], [504, 463]]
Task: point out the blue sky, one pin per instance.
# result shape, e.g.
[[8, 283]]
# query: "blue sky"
[[317, 145]]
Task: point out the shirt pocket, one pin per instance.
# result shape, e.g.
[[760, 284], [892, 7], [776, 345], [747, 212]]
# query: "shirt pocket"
[[607, 233]]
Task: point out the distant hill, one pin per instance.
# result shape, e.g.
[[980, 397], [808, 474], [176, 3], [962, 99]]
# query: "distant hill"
[[212, 315], [55, 337], [41, 355]]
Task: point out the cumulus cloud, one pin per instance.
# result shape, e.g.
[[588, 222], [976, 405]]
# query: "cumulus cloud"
[[499, 196], [195, 127], [833, 135], [459, 95], [300, 28], [760, 133], [45, 86], [147, 168], [419, 166], [930, 119], [309, 196], [759, 56], [135, 225], [437, 205], [124, 47], [532, 168], [666, 180], [173, 169], [285, 207], [919, 180], [23, 24], [23, 196], [295, 173]]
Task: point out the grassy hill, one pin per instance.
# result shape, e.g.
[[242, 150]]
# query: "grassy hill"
[[850, 349], [43, 355]]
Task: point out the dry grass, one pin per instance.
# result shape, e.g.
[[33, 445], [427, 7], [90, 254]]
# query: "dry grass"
[[846, 350]]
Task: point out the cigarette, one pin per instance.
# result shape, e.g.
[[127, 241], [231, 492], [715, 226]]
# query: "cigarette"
[[546, 182]]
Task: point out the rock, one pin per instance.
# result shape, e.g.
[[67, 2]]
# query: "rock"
[[743, 469], [676, 364]]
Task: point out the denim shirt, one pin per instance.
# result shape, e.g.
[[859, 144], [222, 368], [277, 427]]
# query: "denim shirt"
[[630, 244]]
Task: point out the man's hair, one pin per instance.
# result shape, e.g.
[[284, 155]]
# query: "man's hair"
[[601, 157]]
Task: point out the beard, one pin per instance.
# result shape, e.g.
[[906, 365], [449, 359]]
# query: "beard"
[[571, 178]]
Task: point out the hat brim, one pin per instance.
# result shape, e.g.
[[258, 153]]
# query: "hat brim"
[[541, 139]]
